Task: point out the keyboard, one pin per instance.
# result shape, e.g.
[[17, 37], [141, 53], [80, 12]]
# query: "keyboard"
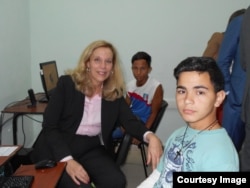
[[16, 181]]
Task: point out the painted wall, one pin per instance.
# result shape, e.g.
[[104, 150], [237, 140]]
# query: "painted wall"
[[169, 30], [15, 71]]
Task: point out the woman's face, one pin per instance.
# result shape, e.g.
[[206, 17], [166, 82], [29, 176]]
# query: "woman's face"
[[100, 65]]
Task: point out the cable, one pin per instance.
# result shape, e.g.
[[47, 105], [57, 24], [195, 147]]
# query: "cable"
[[2, 122], [14, 103], [24, 136], [33, 119]]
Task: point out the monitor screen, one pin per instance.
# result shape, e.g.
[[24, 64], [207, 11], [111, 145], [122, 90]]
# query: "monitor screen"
[[49, 76]]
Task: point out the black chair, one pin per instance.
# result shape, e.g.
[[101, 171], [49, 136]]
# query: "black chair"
[[125, 142]]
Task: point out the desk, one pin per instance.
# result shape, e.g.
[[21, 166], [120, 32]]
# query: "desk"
[[43, 177], [21, 108], [4, 159]]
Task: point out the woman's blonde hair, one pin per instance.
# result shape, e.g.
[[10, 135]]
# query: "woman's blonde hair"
[[113, 87]]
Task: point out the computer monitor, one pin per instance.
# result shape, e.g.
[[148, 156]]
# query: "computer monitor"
[[49, 77]]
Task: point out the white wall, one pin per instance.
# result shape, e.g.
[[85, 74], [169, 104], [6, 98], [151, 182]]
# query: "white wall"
[[169, 30], [15, 71]]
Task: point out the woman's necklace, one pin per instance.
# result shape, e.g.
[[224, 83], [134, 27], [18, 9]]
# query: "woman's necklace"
[[209, 127]]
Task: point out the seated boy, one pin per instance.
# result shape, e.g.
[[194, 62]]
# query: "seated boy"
[[201, 145], [144, 93]]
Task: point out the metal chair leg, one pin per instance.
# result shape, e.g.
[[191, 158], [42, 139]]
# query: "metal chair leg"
[[144, 158], [123, 149]]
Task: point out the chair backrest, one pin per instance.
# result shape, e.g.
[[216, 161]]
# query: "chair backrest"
[[125, 142], [159, 116]]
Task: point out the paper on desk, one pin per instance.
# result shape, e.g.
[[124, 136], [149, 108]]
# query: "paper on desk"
[[7, 150]]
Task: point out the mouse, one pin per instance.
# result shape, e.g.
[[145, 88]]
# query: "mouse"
[[45, 164]]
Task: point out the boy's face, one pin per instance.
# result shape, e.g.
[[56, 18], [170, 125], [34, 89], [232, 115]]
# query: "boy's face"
[[196, 99], [140, 71]]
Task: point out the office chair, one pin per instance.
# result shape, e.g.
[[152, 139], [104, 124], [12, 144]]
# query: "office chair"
[[125, 142]]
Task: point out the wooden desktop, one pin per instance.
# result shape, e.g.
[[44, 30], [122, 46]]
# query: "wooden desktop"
[[42, 177]]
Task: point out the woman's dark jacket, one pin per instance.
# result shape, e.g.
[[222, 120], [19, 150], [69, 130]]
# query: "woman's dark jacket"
[[64, 114]]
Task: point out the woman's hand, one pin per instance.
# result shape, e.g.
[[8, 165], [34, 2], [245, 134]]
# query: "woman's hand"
[[77, 172], [155, 150], [135, 141]]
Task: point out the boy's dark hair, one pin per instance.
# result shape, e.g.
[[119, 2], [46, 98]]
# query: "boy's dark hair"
[[202, 64], [142, 55]]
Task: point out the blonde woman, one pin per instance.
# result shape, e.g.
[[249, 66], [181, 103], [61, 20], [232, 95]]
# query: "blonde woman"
[[80, 118]]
